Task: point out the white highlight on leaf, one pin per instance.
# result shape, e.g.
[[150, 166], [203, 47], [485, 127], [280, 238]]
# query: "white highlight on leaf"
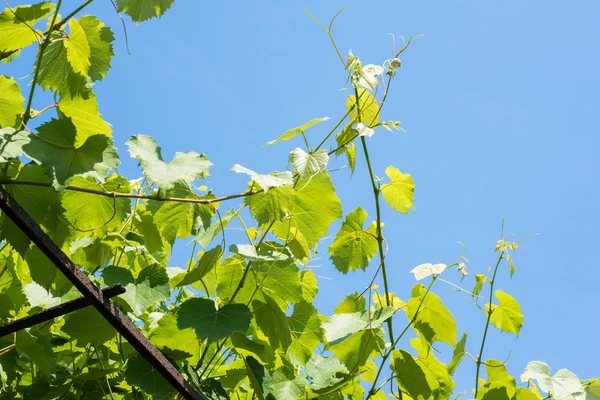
[[364, 130], [266, 182], [369, 79], [427, 269]]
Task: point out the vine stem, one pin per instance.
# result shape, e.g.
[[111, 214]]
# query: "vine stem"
[[372, 391], [378, 214], [131, 195], [487, 324], [42, 50]]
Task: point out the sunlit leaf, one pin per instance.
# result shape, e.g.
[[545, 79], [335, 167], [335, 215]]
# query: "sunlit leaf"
[[354, 246], [78, 48], [296, 131], [11, 101], [400, 191], [507, 315], [142, 10]]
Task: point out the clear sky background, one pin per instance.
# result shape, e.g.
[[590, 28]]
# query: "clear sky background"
[[500, 103]]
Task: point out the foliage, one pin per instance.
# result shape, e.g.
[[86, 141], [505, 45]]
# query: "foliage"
[[238, 321]]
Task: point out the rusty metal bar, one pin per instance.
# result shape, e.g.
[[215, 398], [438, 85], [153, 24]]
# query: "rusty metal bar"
[[56, 311], [109, 311]]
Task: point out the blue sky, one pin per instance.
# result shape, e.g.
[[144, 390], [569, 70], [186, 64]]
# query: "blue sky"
[[498, 99]]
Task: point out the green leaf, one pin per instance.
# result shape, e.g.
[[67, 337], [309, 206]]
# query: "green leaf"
[[88, 326], [296, 131], [309, 284], [211, 324], [592, 390], [139, 373], [266, 182], [142, 10], [494, 393], [175, 342], [479, 279], [525, 394], [325, 371], [184, 166], [38, 296], [400, 191], [16, 23], [272, 322], [246, 347], [457, 356], [410, 376], [424, 270], [259, 377], [78, 48], [86, 211], [308, 165], [561, 385], [85, 116], [12, 143], [507, 315], [284, 386], [433, 320], [315, 206], [353, 303], [206, 263], [100, 38], [11, 101], [37, 348], [57, 154], [150, 287], [340, 326], [355, 350], [174, 219], [369, 109], [306, 331], [274, 205], [206, 237], [353, 246], [43, 271], [498, 376], [439, 379]]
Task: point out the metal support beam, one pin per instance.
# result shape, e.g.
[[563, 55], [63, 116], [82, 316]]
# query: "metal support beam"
[[56, 311], [109, 311]]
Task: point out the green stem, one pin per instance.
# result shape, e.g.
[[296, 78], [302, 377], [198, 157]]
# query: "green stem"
[[42, 50], [306, 143], [333, 130], [487, 324], [410, 323], [70, 15], [378, 214]]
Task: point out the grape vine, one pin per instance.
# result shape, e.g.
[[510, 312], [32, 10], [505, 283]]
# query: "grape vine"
[[239, 320]]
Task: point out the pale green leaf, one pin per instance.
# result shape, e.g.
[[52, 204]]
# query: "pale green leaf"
[[340, 326], [285, 386], [266, 182], [400, 191], [306, 331], [295, 131], [458, 354], [206, 237], [38, 296], [206, 263], [592, 390], [174, 219], [562, 385], [438, 377], [177, 343], [184, 166], [353, 246], [307, 164], [100, 39], [12, 143], [142, 10], [353, 303], [507, 315], [78, 48], [85, 116], [325, 371], [11, 101], [211, 324], [424, 270], [355, 350]]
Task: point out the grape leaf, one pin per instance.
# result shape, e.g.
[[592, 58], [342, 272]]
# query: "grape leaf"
[[62, 161], [11, 101], [369, 109], [354, 351], [306, 331], [296, 131], [174, 219], [184, 166], [409, 375], [38, 296], [562, 385], [507, 315], [206, 237], [324, 371], [433, 320], [85, 116], [78, 48], [340, 326], [206, 263], [16, 23], [400, 191], [142, 10], [308, 165], [266, 182], [424, 270], [12, 143], [150, 286], [272, 322], [211, 324], [100, 38], [458, 354], [353, 246], [438, 377], [88, 326], [141, 374], [175, 342]]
